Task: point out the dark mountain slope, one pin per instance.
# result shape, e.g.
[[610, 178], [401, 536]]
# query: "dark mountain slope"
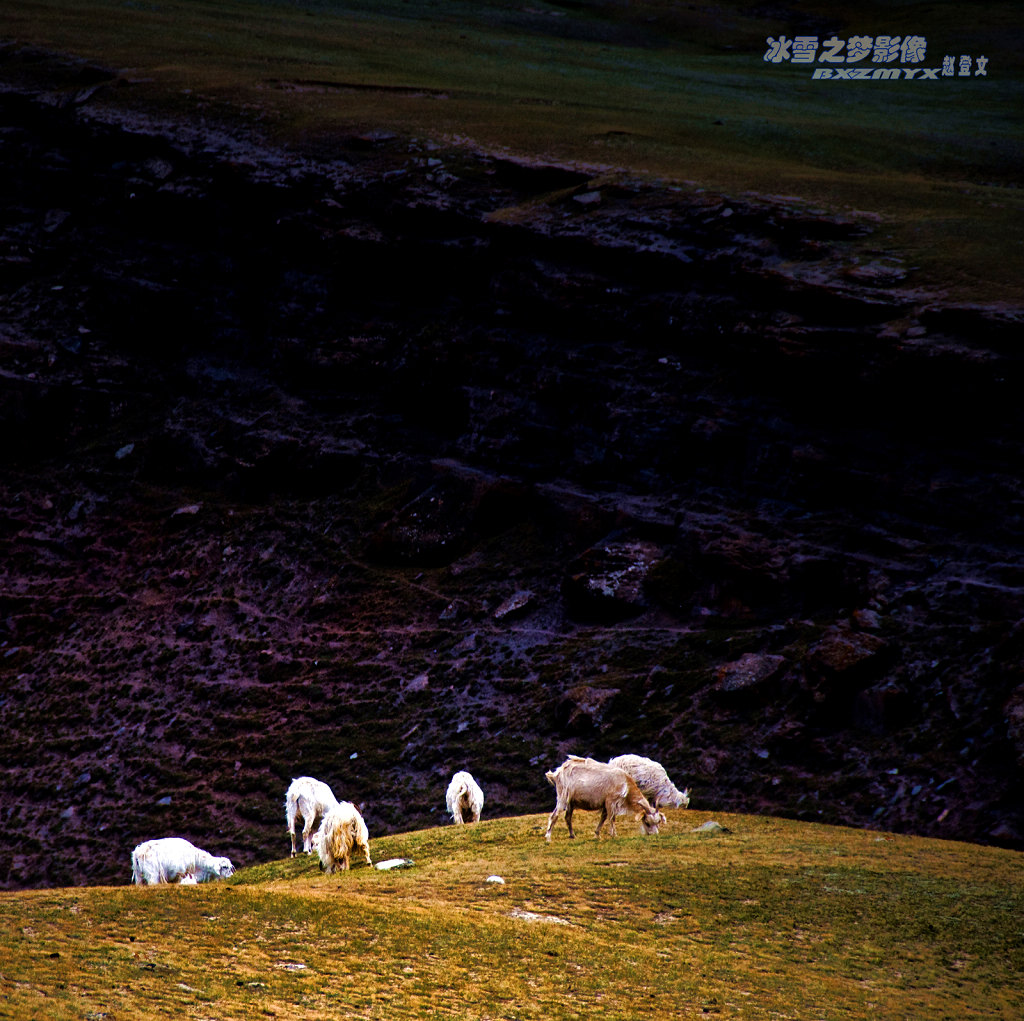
[[409, 460]]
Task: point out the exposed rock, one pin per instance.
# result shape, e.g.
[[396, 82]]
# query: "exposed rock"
[[748, 671], [846, 653], [607, 581], [711, 828], [584, 708], [394, 863], [867, 619], [455, 610], [428, 530], [516, 605]]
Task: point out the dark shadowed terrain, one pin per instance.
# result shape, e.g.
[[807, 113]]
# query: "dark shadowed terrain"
[[376, 461]]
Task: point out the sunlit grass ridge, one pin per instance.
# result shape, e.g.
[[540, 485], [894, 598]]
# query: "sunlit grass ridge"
[[771, 919]]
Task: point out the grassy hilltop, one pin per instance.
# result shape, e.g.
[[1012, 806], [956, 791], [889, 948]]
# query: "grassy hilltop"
[[676, 90], [769, 919]]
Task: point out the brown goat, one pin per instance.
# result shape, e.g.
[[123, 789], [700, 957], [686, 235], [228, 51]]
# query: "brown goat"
[[593, 785]]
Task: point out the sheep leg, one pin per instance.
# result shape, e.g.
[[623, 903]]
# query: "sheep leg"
[[568, 820], [291, 825], [307, 834], [552, 821]]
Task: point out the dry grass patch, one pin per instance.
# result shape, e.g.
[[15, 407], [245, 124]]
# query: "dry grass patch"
[[774, 918]]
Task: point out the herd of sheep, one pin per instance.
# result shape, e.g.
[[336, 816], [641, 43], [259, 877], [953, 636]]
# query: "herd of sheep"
[[627, 784]]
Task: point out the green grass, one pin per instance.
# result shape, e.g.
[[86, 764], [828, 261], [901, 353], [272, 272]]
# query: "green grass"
[[773, 919], [651, 87]]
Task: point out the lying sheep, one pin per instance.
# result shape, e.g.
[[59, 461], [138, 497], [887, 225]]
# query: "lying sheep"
[[342, 831], [593, 785], [464, 798], [312, 799], [653, 781], [175, 860]]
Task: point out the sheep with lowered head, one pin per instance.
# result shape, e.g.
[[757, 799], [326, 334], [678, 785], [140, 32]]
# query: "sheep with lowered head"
[[653, 781], [342, 832], [176, 860], [465, 799], [589, 784]]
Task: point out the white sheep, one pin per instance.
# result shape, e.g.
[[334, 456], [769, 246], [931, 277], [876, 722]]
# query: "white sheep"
[[464, 798], [312, 799], [653, 781], [175, 860], [342, 831]]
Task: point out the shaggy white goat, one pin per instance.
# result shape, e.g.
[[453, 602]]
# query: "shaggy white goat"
[[653, 781], [175, 860], [312, 799], [465, 799], [342, 831]]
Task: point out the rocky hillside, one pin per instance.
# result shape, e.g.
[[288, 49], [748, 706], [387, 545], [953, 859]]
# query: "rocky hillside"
[[378, 460]]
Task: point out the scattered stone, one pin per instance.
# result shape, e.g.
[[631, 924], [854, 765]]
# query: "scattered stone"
[[711, 827], [607, 581], [532, 916], [429, 530], [869, 620], [394, 863], [515, 606], [452, 612], [844, 651], [750, 670], [878, 273], [421, 682], [495, 879]]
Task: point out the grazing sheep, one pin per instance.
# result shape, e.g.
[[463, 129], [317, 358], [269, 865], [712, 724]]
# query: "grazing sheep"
[[653, 781], [312, 799], [465, 799], [175, 860], [593, 785], [342, 831]]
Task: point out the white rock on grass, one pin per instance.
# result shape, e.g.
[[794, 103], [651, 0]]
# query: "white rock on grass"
[[394, 863]]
